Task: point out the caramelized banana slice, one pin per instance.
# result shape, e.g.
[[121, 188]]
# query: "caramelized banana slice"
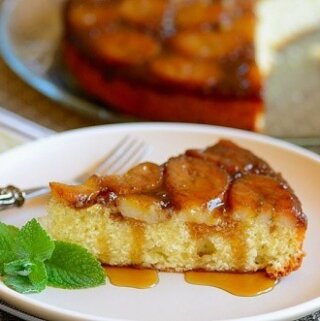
[[195, 15], [234, 159], [144, 208], [125, 47], [239, 6], [265, 196], [143, 13], [244, 27], [143, 178], [206, 45], [193, 182], [76, 195], [85, 15], [187, 72]]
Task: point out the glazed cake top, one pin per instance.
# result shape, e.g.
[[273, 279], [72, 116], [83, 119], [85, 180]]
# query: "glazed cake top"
[[210, 186], [204, 46]]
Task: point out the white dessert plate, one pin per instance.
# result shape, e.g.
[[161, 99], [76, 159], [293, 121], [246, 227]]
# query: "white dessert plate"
[[62, 156]]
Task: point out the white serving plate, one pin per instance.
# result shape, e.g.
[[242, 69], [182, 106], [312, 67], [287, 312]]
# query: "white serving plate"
[[62, 156]]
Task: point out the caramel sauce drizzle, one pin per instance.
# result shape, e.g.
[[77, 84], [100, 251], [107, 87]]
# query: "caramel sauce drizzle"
[[138, 241], [102, 244], [239, 284], [132, 278]]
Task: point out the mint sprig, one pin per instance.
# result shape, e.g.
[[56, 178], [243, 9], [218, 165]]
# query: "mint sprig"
[[30, 260], [8, 235], [64, 270], [34, 242], [26, 276]]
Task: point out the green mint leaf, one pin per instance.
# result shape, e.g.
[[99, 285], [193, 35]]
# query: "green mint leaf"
[[34, 242], [38, 276], [8, 239], [21, 284], [73, 267], [26, 276], [19, 267]]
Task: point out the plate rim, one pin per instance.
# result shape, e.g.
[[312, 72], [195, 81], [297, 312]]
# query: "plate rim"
[[180, 126], [28, 304]]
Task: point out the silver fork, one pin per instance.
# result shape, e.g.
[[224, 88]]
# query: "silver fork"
[[121, 157]]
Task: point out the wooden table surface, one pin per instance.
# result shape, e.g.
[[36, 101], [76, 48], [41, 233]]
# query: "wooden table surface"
[[20, 98]]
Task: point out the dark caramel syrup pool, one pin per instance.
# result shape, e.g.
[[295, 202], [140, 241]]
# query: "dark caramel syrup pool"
[[240, 284]]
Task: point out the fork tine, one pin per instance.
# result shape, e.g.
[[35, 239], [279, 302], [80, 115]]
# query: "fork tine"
[[138, 156], [123, 155], [135, 154], [117, 156], [102, 163], [120, 158]]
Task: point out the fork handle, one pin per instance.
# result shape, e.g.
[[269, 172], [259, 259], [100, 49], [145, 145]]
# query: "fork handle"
[[12, 196]]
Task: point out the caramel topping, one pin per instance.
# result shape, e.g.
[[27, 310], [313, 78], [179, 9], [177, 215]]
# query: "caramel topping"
[[141, 13], [193, 182], [211, 186], [139, 47], [234, 159], [143, 178], [255, 194], [78, 196], [186, 72], [207, 45], [127, 36], [198, 14], [89, 15]]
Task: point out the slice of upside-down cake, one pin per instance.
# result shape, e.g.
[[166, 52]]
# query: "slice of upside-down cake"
[[218, 209]]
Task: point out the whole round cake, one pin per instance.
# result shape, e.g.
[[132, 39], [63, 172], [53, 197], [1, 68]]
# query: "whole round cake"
[[172, 60]]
